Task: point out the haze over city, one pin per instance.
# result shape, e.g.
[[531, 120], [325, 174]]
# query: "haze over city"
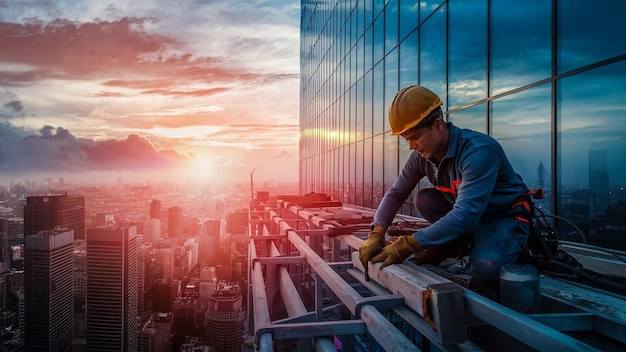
[[204, 91]]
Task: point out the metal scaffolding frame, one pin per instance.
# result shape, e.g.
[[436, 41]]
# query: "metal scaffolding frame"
[[308, 292]]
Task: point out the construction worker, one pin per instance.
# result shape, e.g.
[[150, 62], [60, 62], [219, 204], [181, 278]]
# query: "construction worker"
[[475, 198]]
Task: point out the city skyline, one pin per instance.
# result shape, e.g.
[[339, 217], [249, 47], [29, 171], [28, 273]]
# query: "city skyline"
[[200, 91]]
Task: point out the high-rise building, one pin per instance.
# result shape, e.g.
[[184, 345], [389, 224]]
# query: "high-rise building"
[[52, 211], [208, 242], [155, 333], [224, 321], [5, 252], [151, 230], [237, 222], [49, 291], [141, 275], [155, 209], [111, 289], [598, 184], [478, 58], [175, 222]]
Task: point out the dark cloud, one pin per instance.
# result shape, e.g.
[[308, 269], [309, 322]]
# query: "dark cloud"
[[10, 106], [57, 149]]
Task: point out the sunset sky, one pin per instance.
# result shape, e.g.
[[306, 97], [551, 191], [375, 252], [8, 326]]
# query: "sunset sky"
[[202, 90]]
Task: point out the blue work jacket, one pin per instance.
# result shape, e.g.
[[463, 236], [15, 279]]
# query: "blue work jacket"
[[475, 176]]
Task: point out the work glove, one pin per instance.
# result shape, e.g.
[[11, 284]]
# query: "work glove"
[[398, 251], [370, 247]]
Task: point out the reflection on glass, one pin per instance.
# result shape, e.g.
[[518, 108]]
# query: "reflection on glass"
[[378, 169], [391, 82], [521, 122], [427, 7], [359, 105], [432, 50], [584, 31], [379, 38], [408, 17], [358, 166], [391, 160], [467, 52], [391, 25], [368, 103], [348, 174], [408, 61], [379, 108], [367, 172], [369, 49], [590, 145], [474, 118], [520, 43], [368, 12]]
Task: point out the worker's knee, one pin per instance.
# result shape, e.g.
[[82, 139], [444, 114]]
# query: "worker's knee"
[[486, 269]]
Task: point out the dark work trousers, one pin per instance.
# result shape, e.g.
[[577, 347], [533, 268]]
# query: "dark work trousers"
[[495, 241]]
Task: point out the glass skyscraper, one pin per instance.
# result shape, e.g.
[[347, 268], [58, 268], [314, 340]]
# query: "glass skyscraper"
[[545, 78]]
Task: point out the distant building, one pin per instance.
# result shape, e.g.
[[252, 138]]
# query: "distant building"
[[155, 209], [49, 291], [49, 212], [237, 222], [112, 289], [104, 220], [175, 222], [164, 292], [154, 334], [141, 275], [224, 321], [151, 230], [209, 241]]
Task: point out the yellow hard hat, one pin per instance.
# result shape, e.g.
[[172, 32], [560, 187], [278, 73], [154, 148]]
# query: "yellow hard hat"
[[410, 106]]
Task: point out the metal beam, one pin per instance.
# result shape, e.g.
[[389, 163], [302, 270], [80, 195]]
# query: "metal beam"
[[521, 327], [315, 329], [385, 333], [440, 303], [259, 297], [280, 260], [346, 294], [415, 320]]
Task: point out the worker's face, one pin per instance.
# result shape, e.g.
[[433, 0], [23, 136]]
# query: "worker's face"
[[428, 140]]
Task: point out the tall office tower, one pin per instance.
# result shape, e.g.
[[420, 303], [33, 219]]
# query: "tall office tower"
[[49, 212], [49, 291], [155, 209], [111, 289], [598, 184], [164, 292], [224, 321], [80, 290], [237, 222], [155, 333], [208, 242], [5, 252], [141, 275], [151, 230], [4, 225], [175, 222], [165, 251], [186, 311]]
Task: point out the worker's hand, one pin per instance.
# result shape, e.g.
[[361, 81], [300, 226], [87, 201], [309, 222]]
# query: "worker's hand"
[[370, 247], [398, 251]]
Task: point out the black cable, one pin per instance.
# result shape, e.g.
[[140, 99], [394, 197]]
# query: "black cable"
[[580, 232], [582, 274]]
